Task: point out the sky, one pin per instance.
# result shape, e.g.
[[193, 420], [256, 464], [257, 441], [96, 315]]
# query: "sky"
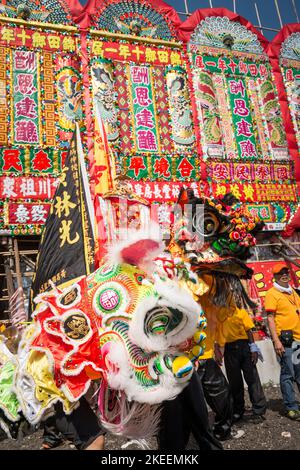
[[266, 10]]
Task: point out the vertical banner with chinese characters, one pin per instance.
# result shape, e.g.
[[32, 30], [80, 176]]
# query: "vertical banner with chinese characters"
[[242, 120], [180, 110], [143, 110], [25, 93]]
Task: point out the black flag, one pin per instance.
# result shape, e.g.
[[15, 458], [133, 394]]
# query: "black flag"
[[67, 246]]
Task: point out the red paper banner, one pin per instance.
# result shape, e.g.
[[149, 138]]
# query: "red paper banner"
[[249, 192], [136, 53], [31, 38], [264, 172], [162, 192], [26, 213]]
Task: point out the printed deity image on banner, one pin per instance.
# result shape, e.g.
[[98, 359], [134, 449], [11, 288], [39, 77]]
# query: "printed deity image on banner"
[[105, 97], [69, 97], [295, 100], [180, 112], [208, 112]]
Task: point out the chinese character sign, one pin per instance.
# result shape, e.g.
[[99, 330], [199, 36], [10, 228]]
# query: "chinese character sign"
[[26, 213], [143, 109], [25, 98], [242, 121], [238, 66], [23, 187]]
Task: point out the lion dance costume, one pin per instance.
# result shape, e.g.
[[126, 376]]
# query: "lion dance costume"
[[133, 325], [133, 329]]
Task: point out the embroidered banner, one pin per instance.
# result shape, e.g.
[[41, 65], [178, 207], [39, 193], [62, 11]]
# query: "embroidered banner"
[[104, 96], [143, 106], [162, 110], [257, 172], [257, 192], [32, 38], [226, 117], [231, 66], [208, 114], [271, 110], [291, 77], [49, 98], [167, 167], [262, 211], [125, 112], [3, 97], [26, 125], [162, 192], [136, 53], [69, 91], [12, 160], [261, 125], [180, 110], [19, 187], [241, 117]]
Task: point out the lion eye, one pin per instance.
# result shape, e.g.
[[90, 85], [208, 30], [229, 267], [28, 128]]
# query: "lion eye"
[[206, 225], [161, 320]]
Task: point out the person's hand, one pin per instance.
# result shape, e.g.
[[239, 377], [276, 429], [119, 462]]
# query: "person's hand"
[[254, 357], [279, 349]]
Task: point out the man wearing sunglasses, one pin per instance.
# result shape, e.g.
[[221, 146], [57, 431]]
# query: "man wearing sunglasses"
[[282, 305]]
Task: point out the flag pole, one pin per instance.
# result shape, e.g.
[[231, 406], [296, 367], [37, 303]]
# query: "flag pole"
[[85, 179], [17, 262]]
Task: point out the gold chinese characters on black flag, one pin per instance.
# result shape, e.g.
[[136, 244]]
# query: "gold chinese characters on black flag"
[[67, 245]]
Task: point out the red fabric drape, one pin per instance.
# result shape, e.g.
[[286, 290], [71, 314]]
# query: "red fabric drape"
[[293, 225]]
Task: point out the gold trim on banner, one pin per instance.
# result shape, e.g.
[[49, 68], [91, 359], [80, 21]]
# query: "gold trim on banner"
[[37, 24], [39, 104], [27, 160], [86, 241], [3, 97], [74, 29], [155, 112], [131, 112], [55, 161], [11, 104]]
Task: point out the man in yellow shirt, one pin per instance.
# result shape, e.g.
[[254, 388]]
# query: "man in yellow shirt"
[[241, 355], [282, 305], [214, 383]]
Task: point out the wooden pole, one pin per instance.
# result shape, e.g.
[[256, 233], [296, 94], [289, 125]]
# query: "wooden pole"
[[290, 247], [17, 263], [9, 280]]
